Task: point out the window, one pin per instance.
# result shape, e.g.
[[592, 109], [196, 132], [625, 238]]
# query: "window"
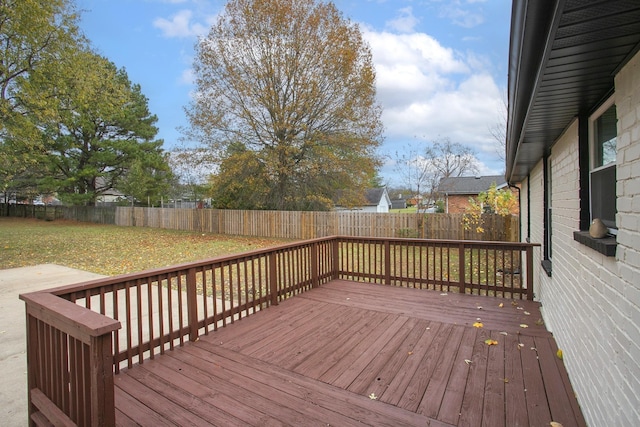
[[602, 171]]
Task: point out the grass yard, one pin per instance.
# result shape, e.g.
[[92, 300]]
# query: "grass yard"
[[110, 249]]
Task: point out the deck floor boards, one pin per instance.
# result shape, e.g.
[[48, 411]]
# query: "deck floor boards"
[[360, 354]]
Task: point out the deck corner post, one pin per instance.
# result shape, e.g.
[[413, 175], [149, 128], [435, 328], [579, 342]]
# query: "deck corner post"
[[192, 304], [103, 411], [32, 356], [273, 278], [529, 255], [461, 269]]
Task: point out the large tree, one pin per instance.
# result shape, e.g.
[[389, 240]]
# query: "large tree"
[[423, 170], [33, 33], [96, 132], [287, 87]]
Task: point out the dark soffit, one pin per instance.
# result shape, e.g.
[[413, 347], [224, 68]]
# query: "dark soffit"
[[563, 57]]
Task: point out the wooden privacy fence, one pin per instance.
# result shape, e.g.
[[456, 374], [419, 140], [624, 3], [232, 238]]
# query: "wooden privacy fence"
[[79, 336], [287, 224]]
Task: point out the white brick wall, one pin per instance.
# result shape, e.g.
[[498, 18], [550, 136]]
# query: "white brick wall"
[[592, 302]]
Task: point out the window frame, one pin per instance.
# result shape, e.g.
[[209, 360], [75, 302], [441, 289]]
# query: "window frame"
[[594, 155]]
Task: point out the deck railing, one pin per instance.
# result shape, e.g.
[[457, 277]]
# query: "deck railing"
[[79, 336]]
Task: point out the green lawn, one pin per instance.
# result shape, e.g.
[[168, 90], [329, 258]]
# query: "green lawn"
[[109, 249]]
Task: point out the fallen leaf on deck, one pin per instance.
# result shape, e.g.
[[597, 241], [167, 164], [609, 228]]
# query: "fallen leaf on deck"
[[373, 396], [490, 342], [559, 354], [467, 361], [513, 303], [527, 313], [479, 308], [478, 325], [444, 294], [520, 345], [504, 333], [506, 380], [519, 308], [524, 326], [501, 305], [539, 322], [410, 353], [555, 424]]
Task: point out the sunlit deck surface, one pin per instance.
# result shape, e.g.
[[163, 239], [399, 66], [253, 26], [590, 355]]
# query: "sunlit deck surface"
[[360, 354]]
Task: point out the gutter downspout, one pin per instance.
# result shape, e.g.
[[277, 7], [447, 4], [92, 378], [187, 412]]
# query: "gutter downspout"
[[520, 212]]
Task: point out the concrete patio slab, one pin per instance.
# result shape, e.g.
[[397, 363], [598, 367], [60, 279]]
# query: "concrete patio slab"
[[13, 363]]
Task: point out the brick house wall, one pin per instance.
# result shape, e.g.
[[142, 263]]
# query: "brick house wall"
[[591, 302], [457, 203]]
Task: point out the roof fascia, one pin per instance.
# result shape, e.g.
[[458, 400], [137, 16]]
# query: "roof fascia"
[[526, 18]]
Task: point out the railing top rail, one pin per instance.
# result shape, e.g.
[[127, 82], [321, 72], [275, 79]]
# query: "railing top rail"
[[130, 277], [70, 318], [523, 245], [80, 287]]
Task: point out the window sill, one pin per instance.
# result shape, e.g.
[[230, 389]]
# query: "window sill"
[[546, 266], [606, 246]]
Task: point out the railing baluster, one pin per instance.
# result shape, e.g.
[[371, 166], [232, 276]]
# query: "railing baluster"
[[192, 304]]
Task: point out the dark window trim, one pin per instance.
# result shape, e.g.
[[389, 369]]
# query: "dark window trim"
[[546, 223], [583, 164], [606, 246]]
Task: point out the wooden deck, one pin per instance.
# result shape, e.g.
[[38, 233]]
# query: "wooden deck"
[[360, 354]]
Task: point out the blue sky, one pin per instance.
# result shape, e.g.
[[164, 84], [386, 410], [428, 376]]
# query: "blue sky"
[[441, 65]]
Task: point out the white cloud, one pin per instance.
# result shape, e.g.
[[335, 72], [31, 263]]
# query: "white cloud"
[[180, 25], [429, 91], [187, 77], [405, 22], [462, 13]]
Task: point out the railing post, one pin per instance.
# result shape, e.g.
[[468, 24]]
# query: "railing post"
[[462, 262], [387, 262], [314, 265], [336, 258], [192, 304], [102, 388], [529, 255], [273, 278]]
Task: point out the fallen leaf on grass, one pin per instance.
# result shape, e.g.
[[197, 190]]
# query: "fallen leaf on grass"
[[478, 325], [490, 342]]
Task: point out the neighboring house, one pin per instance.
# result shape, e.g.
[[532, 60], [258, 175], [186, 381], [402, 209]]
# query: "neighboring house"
[[415, 201], [573, 143], [377, 200], [456, 191], [108, 196], [398, 204]]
